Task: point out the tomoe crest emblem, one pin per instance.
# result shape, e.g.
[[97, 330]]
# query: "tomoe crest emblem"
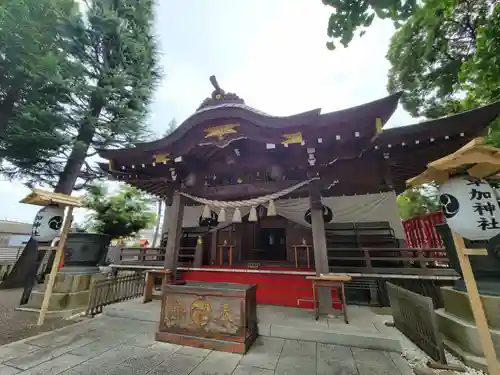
[[449, 204]]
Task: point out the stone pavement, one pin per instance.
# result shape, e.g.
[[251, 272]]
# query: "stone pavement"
[[116, 346]]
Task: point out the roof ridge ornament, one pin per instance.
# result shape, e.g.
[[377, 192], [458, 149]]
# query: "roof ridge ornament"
[[219, 96]]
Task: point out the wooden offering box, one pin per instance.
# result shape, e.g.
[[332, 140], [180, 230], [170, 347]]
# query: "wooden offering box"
[[218, 316]]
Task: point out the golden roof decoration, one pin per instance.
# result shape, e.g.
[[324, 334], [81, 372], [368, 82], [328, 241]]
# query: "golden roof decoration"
[[219, 96]]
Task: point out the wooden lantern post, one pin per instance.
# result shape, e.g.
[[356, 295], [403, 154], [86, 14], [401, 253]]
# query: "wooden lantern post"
[[478, 161], [45, 198]]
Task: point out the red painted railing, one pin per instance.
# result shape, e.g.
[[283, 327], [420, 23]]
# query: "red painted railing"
[[420, 231]]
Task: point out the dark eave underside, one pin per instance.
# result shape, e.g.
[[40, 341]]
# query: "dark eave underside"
[[470, 122]]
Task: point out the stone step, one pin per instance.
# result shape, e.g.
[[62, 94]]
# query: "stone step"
[[342, 334], [344, 337]]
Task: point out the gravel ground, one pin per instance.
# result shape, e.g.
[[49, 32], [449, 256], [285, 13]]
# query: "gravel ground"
[[417, 358], [18, 325]]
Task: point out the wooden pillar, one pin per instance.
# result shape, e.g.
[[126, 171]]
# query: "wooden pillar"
[[164, 227], [175, 217], [213, 248], [198, 253], [319, 243]]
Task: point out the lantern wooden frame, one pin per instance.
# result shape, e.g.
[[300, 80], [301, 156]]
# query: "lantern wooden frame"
[[479, 161], [44, 198]]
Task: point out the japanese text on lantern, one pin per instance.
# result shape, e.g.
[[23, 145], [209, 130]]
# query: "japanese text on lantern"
[[36, 225], [481, 196]]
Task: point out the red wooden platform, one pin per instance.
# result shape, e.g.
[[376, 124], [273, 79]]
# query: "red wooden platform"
[[275, 285]]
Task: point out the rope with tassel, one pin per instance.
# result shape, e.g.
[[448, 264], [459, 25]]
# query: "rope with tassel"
[[248, 202], [245, 203]]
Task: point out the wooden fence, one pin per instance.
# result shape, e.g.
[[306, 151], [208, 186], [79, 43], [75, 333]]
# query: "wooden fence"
[[9, 256], [415, 317], [116, 289]]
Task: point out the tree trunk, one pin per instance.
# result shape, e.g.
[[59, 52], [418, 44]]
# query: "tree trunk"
[[78, 154], [7, 107], [157, 227]]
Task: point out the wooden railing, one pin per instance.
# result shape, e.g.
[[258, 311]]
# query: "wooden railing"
[[356, 235], [154, 257], [116, 289], [369, 259]]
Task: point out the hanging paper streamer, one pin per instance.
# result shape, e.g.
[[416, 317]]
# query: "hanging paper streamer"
[[206, 212], [253, 214], [271, 209], [237, 215], [222, 215]]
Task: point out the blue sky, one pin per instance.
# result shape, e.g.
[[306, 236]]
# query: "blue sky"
[[270, 53]]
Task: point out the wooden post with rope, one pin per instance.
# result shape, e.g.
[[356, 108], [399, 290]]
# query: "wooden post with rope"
[[44, 198]]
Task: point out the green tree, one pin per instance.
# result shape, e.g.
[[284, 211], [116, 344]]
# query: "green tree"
[[429, 52], [123, 214], [350, 18], [112, 58], [171, 126], [417, 201], [480, 75], [35, 77]]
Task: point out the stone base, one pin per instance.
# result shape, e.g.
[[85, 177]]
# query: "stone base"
[[70, 294], [464, 334], [467, 358], [206, 343], [457, 303], [486, 287], [456, 324]]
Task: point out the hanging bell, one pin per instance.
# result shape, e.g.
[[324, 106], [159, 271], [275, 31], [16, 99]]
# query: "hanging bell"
[[253, 214], [271, 209], [206, 212], [222, 215], [237, 215]]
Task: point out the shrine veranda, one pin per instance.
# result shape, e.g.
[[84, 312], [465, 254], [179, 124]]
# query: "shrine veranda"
[[268, 200]]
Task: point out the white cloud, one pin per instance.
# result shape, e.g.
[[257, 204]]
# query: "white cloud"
[[271, 53]]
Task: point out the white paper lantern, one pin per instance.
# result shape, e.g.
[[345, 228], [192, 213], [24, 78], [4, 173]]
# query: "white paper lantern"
[[471, 208], [47, 224]]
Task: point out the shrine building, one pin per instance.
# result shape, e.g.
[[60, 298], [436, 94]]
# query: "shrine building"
[[256, 198]]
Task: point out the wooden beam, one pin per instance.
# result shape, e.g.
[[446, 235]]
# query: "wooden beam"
[[427, 176]]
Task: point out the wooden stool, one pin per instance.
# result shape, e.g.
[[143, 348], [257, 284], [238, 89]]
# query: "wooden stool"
[[330, 281], [151, 275], [307, 248], [221, 253]]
